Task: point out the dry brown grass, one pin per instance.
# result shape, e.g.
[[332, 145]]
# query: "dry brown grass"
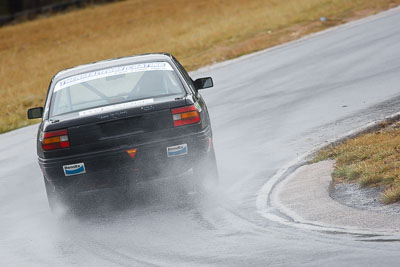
[[196, 32], [372, 159]]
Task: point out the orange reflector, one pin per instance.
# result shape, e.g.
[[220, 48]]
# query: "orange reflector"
[[189, 114], [50, 140], [131, 152]]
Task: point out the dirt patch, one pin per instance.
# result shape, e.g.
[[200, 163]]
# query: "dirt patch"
[[368, 198]]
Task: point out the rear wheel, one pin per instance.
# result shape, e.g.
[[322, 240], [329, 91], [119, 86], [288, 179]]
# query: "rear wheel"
[[206, 173], [59, 201]]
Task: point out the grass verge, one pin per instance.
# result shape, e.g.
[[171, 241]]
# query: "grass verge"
[[196, 32], [371, 159]]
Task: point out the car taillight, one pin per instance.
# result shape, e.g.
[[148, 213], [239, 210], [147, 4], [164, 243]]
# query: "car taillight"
[[185, 115], [55, 140]]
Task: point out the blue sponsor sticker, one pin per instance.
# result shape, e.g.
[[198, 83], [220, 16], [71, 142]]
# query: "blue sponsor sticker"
[[178, 150], [74, 169]]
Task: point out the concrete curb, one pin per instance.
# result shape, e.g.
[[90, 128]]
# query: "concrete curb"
[[304, 196], [270, 207]]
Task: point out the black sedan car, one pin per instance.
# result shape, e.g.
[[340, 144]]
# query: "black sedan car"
[[113, 123]]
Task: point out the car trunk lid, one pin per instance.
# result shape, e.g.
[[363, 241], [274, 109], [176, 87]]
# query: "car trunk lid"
[[116, 126]]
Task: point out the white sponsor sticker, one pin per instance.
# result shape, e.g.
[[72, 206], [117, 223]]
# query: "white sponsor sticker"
[[115, 107], [98, 74], [74, 169], [178, 150]]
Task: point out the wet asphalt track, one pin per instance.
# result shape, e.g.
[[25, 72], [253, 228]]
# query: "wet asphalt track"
[[266, 109]]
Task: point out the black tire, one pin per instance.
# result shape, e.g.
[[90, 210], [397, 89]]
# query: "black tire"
[[206, 173], [57, 199]]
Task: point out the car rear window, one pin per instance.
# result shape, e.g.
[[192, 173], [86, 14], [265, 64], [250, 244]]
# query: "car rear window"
[[114, 85]]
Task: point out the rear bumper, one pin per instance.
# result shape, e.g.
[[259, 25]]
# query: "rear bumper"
[[114, 167]]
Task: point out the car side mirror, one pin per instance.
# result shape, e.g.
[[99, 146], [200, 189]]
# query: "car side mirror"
[[35, 113], [203, 83]]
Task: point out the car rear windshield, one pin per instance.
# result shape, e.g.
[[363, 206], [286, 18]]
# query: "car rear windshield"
[[128, 83]]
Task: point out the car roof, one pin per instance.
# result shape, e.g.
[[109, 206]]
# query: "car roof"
[[108, 63]]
